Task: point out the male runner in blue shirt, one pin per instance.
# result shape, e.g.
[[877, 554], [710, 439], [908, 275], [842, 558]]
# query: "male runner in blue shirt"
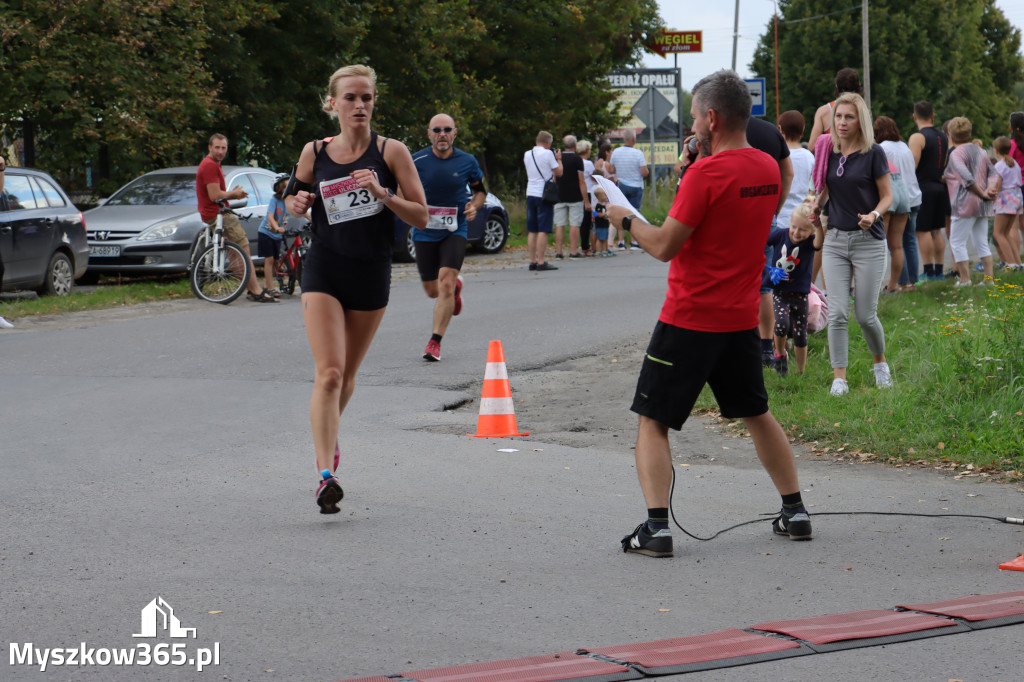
[[440, 248]]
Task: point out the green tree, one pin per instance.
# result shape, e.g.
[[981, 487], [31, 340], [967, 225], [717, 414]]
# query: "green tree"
[[124, 87], [269, 64], [551, 62], [961, 55], [86, 77]]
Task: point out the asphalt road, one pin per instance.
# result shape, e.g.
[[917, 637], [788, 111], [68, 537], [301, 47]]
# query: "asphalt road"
[[164, 451]]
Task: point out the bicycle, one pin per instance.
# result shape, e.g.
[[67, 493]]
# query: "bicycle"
[[289, 266], [214, 275]]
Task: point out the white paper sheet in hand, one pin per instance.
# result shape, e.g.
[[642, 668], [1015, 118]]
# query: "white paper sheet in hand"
[[616, 197]]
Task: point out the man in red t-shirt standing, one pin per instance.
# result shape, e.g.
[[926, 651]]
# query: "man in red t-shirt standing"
[[714, 236], [212, 188]]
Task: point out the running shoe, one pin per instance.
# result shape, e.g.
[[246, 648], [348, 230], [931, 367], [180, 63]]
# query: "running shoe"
[[433, 351], [622, 245], [4, 324], [329, 493], [546, 266], [641, 541], [782, 365], [883, 376], [458, 296], [797, 527], [767, 357], [839, 387]]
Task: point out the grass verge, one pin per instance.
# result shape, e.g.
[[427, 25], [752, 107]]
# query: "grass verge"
[[109, 294], [957, 357]]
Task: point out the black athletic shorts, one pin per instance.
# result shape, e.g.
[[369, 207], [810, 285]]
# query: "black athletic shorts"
[[432, 256], [357, 284], [680, 361]]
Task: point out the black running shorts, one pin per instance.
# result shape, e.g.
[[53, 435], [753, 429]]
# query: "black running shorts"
[[357, 284], [432, 256], [680, 361]]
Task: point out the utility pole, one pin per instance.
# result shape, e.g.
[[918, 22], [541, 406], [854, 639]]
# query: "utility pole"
[[864, 50], [736, 33]]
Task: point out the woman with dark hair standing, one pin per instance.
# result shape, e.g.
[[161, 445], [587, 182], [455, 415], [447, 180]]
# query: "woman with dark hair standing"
[[356, 183], [859, 192], [901, 220]]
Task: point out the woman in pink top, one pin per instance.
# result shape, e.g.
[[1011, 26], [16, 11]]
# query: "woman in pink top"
[[1017, 154], [1009, 204], [972, 182]]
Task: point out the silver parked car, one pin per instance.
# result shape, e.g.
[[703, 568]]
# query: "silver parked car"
[[150, 225]]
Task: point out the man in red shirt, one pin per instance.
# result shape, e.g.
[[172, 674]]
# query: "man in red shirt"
[[714, 236], [211, 188]]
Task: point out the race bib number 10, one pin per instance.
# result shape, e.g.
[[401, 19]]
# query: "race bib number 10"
[[443, 218], [345, 200]]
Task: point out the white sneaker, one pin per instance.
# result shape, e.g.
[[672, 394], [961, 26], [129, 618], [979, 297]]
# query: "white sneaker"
[[839, 387], [4, 324], [883, 377], [959, 284]]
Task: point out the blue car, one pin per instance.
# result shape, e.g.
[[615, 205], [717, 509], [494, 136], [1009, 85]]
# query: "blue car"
[[488, 231]]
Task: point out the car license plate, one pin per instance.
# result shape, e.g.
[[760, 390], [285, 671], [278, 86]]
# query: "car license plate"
[[104, 251]]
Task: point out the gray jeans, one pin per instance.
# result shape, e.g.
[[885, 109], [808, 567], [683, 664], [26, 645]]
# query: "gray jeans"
[[843, 254]]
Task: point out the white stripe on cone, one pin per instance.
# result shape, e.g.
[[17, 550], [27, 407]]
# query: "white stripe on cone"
[[496, 406], [495, 370]]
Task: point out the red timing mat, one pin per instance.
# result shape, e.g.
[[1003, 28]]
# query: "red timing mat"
[[564, 665], [855, 625]]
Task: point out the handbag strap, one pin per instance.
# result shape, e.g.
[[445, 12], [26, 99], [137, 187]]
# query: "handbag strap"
[[538, 167]]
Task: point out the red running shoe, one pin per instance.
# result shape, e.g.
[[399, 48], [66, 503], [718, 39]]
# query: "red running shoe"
[[458, 296], [329, 494], [433, 351]]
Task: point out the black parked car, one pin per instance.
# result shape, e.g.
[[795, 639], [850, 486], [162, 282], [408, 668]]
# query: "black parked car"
[[487, 232], [42, 234]]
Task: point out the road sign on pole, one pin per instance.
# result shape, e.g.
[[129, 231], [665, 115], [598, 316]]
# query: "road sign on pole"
[[757, 103]]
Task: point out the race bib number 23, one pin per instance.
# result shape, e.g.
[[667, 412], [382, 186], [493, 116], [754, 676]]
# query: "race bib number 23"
[[344, 200]]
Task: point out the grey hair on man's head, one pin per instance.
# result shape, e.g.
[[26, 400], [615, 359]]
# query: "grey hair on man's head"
[[629, 135], [569, 142], [726, 93]]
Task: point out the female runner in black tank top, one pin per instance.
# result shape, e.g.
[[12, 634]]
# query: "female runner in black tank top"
[[360, 183]]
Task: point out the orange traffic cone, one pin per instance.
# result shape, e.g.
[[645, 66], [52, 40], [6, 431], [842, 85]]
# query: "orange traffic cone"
[[497, 416], [1014, 564]]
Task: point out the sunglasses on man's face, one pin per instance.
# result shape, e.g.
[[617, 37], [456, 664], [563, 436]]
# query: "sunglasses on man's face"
[[438, 131]]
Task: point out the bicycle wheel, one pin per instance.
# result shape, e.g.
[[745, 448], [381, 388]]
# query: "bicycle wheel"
[[215, 277], [281, 273]]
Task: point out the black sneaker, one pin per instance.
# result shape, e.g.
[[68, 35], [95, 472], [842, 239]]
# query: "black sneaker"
[[329, 494], [798, 527], [641, 541], [768, 358], [533, 266], [782, 365], [546, 266]]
